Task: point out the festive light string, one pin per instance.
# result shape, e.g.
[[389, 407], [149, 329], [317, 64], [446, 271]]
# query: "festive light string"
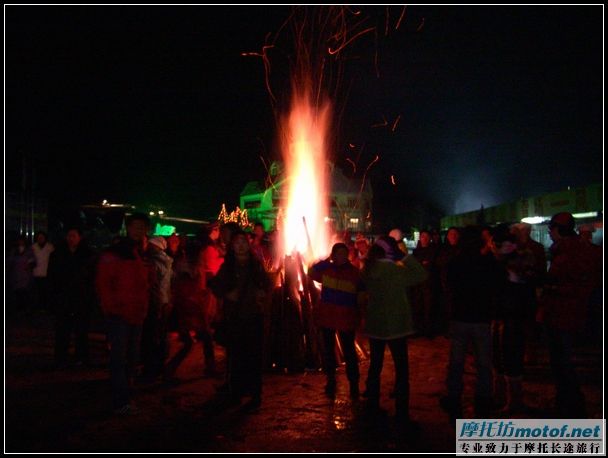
[[236, 216]]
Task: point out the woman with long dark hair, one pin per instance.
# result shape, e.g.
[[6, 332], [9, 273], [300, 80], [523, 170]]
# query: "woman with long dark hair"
[[244, 286]]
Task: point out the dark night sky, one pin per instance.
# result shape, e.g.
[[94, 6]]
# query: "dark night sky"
[[155, 105]]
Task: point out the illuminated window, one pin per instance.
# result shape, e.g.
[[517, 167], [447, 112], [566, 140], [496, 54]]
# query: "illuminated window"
[[252, 204]]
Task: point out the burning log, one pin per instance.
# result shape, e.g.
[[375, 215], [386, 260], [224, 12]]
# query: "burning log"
[[297, 344], [290, 340]]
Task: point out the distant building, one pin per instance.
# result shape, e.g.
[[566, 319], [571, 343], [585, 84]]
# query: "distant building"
[[349, 200], [107, 220], [585, 203]]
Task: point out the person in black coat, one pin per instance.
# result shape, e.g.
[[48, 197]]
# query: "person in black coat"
[[473, 281], [71, 281], [244, 286], [425, 295]]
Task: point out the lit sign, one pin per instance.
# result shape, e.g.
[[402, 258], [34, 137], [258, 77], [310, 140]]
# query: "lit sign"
[[164, 230]]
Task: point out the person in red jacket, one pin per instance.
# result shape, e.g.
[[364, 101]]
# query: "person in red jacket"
[[122, 282], [563, 309]]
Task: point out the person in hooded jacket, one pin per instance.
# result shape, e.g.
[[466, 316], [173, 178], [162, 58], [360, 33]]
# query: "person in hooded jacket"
[[388, 321], [154, 338]]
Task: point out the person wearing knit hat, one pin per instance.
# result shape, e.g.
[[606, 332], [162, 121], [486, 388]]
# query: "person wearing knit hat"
[[390, 247], [398, 235], [154, 334], [388, 322]]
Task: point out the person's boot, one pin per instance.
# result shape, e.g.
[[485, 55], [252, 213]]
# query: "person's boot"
[[452, 407], [210, 371], [253, 405], [570, 404], [330, 386], [483, 406], [515, 396], [402, 411], [371, 407], [354, 389], [403, 421]]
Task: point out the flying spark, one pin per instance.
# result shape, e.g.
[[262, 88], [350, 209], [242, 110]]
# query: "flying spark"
[[395, 123], [400, 18], [384, 123]]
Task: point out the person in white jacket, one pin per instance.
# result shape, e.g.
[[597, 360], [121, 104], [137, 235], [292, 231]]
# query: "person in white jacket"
[[42, 250]]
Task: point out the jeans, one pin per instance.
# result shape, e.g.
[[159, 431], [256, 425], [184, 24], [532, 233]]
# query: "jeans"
[[125, 340], [461, 334], [347, 342], [398, 348]]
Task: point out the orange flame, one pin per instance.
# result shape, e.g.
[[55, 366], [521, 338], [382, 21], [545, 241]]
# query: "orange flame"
[[304, 150]]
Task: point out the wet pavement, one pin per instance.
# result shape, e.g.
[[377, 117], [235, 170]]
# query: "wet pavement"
[[69, 410]]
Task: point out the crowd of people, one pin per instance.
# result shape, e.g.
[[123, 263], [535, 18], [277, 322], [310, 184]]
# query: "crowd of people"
[[484, 287]]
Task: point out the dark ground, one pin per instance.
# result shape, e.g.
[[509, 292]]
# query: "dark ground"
[[70, 410]]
